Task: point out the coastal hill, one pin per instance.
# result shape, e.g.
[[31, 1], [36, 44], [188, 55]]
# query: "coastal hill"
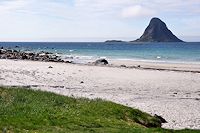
[[157, 31]]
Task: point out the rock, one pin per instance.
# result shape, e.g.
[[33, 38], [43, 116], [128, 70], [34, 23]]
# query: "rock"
[[68, 62], [82, 82], [9, 51], [3, 57], [162, 120], [157, 31], [24, 57], [15, 51], [50, 67], [123, 66], [198, 99], [101, 62], [31, 54]]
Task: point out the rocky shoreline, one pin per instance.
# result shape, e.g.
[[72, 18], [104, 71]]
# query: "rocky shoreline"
[[21, 55], [40, 56], [51, 57]]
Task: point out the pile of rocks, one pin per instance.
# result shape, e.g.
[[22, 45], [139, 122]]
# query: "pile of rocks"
[[41, 56]]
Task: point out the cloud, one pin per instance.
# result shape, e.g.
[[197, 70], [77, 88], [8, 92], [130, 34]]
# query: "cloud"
[[131, 8], [137, 11], [175, 7], [91, 9], [7, 6]]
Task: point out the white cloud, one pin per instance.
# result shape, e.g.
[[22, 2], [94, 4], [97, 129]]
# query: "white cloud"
[[7, 6], [136, 8], [137, 11], [101, 8]]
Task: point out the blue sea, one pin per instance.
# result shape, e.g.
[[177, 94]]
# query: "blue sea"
[[85, 51]]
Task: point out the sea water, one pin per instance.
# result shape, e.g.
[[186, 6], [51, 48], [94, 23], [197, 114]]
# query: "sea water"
[[87, 51]]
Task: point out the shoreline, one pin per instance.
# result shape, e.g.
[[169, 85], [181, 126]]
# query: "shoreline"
[[161, 66], [165, 65], [173, 95], [158, 61], [131, 64]]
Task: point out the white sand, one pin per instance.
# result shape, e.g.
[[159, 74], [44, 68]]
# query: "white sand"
[[173, 95]]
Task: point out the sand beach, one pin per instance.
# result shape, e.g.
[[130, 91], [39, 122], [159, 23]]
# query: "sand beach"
[[156, 88]]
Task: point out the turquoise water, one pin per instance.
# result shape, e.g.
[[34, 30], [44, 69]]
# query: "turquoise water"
[[162, 52]]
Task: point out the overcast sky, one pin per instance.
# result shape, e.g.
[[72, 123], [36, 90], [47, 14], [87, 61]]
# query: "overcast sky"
[[94, 20]]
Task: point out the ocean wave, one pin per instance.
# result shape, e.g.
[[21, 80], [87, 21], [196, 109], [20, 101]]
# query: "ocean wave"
[[71, 50], [79, 58], [158, 57]]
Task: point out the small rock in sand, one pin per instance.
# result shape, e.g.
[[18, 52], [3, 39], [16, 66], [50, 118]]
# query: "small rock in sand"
[[198, 99], [50, 67], [68, 61], [123, 66]]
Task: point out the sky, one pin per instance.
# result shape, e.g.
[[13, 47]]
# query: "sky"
[[95, 20]]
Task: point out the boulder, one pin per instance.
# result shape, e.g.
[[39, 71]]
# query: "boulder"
[[101, 62]]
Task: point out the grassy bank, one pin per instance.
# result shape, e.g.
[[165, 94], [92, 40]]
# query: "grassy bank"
[[23, 110]]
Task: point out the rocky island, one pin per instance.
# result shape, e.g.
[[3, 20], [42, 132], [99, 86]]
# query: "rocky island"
[[157, 31], [113, 41]]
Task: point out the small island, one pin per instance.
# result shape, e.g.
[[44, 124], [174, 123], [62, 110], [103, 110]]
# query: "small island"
[[113, 41], [157, 31]]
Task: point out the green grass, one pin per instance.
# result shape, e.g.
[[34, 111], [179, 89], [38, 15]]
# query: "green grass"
[[28, 111]]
